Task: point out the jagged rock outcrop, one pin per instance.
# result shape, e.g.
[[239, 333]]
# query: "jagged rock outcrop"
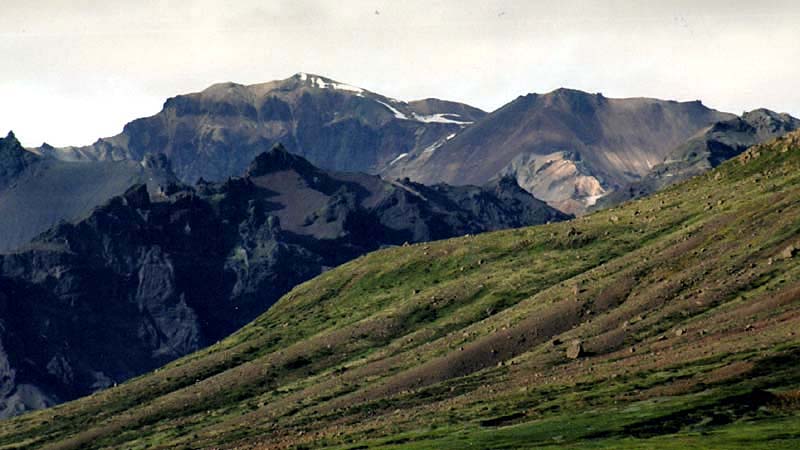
[[13, 159], [37, 192], [151, 276]]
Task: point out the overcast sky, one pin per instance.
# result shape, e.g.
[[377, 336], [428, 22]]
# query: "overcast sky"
[[75, 70]]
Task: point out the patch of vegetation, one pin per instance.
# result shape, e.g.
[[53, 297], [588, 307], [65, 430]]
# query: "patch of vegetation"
[[685, 309]]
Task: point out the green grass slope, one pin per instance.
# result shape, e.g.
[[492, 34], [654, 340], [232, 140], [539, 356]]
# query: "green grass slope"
[[686, 305]]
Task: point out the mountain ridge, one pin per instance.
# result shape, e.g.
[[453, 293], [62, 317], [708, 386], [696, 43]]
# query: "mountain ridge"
[[37, 192], [600, 143], [185, 266], [215, 133], [706, 150], [670, 320]]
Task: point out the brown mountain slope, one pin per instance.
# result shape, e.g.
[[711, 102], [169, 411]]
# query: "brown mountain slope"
[[706, 150], [567, 147]]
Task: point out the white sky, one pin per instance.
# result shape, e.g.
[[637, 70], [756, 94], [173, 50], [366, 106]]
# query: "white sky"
[[75, 70]]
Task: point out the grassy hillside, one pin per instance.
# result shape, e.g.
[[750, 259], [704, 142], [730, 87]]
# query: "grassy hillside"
[[686, 306]]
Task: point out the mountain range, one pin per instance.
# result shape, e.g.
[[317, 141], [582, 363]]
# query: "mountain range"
[[149, 277], [668, 322], [567, 147], [215, 133], [119, 257]]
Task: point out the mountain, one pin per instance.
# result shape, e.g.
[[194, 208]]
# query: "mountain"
[[566, 147], [215, 133], [13, 159], [708, 149], [37, 192], [669, 322], [147, 278]]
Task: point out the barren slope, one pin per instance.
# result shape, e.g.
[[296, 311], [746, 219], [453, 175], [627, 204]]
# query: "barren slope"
[[598, 144]]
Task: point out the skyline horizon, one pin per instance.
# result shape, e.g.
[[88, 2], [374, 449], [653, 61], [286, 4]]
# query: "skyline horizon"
[[27, 144], [79, 71]]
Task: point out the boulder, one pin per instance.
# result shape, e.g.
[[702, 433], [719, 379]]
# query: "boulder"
[[789, 252], [575, 349]]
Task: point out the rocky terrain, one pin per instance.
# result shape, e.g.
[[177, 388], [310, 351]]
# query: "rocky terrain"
[[567, 147], [669, 322], [37, 192], [708, 149], [151, 276], [215, 133]]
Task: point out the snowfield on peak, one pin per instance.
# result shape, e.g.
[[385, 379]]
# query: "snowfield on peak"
[[440, 118], [322, 84], [394, 111], [432, 118]]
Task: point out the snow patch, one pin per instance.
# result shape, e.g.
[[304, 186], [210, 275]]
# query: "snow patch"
[[322, 84], [394, 111], [441, 118], [347, 87], [432, 148], [592, 199], [399, 157], [433, 118], [303, 76]]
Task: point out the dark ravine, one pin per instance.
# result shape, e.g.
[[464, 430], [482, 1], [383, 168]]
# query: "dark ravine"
[[149, 277], [215, 133]]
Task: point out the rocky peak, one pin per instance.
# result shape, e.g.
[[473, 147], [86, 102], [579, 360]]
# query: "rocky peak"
[[277, 159], [13, 158], [158, 161], [10, 144], [137, 196], [766, 121]]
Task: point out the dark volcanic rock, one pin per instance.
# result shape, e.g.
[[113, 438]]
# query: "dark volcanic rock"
[[13, 159], [38, 192], [149, 277]]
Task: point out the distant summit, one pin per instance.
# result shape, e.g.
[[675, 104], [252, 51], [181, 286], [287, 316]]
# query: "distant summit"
[[13, 158], [37, 192], [216, 133], [276, 159], [708, 149], [567, 147]]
